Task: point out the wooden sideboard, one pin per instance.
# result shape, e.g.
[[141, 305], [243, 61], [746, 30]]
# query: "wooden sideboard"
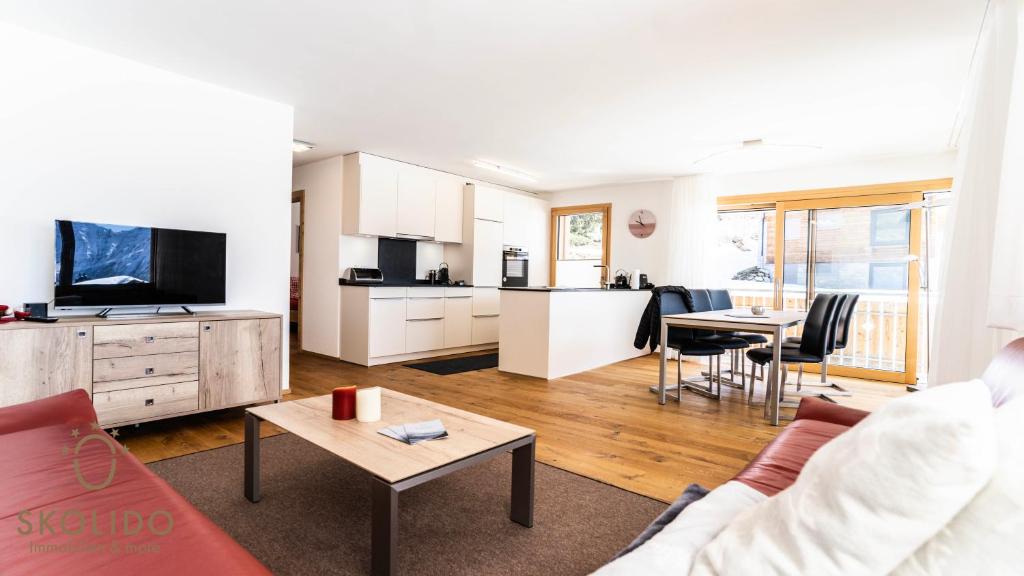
[[145, 368]]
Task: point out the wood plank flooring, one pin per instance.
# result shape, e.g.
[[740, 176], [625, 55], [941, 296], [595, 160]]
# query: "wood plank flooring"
[[603, 424]]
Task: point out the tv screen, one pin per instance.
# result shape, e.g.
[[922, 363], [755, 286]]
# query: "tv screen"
[[107, 265]]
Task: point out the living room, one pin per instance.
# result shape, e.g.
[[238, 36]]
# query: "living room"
[[533, 288]]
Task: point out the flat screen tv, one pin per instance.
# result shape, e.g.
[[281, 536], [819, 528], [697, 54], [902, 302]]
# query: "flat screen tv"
[[107, 266]]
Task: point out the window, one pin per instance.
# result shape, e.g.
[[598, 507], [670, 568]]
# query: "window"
[[887, 276], [890, 227], [581, 245], [746, 251], [581, 236]]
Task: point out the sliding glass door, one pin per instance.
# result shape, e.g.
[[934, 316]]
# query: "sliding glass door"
[[865, 245]]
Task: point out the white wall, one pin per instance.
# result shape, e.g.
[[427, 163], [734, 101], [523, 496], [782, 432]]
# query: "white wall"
[[320, 293], [881, 170], [89, 136], [628, 252]]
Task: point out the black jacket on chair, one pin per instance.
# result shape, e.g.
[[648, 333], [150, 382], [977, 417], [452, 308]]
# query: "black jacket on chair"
[[649, 329]]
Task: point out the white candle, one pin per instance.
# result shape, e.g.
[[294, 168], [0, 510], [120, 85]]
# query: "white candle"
[[368, 404]]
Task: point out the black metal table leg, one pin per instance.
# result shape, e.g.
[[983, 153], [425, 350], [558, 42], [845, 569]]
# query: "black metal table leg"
[[522, 483], [252, 457], [384, 538]]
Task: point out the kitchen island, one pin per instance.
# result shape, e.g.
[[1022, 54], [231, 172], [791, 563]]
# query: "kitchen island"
[[553, 332]]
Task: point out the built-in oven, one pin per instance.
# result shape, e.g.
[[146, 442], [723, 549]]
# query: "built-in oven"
[[515, 267]]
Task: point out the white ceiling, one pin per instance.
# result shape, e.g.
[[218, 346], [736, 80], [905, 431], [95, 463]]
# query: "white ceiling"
[[577, 92]]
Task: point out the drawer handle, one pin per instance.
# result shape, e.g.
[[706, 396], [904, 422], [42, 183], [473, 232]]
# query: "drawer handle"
[[82, 334], [150, 339], [149, 402], [207, 328], [149, 371]]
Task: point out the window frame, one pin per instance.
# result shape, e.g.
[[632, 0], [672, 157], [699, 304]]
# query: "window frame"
[[606, 236]]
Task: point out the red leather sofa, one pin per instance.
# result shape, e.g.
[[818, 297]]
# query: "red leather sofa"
[[73, 501]]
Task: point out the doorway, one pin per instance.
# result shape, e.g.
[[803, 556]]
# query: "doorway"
[[295, 281]]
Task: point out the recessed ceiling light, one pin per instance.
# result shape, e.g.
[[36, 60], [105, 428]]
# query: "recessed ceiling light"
[[300, 146], [504, 170]]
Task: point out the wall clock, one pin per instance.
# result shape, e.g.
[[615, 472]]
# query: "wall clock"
[[642, 223]]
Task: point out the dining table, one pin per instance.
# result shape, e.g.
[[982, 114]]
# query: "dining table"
[[771, 322]]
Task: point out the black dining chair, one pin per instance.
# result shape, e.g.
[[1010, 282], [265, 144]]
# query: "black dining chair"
[[704, 301], [685, 343], [845, 311], [814, 343], [722, 300]]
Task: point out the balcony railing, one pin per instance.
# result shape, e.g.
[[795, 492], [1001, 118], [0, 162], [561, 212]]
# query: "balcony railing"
[[879, 327]]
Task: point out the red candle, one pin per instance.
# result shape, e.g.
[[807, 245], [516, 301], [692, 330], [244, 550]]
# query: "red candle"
[[343, 405]]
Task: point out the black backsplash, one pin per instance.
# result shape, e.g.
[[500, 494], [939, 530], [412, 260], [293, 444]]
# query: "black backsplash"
[[397, 259]]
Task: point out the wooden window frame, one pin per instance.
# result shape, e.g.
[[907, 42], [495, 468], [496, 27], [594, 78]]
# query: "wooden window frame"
[[606, 236]]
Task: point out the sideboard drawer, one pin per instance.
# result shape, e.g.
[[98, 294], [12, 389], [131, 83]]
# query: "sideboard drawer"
[[122, 340], [146, 402], [132, 367]]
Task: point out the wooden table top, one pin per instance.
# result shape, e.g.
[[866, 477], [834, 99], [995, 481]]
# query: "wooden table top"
[[388, 459], [770, 317]]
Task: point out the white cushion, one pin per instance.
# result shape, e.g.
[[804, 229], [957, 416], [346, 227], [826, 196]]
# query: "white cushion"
[[869, 498], [987, 536], [671, 551]]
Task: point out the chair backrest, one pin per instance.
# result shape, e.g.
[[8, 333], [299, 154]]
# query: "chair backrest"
[[673, 303], [720, 299], [817, 326], [845, 320], [701, 303], [833, 325]]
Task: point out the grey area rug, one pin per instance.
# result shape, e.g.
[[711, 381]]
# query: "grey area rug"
[[314, 517]]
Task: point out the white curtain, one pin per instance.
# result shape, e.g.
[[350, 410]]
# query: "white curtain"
[[693, 232], [982, 281]]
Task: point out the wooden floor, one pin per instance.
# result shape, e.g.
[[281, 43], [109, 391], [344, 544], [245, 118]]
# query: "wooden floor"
[[603, 424]]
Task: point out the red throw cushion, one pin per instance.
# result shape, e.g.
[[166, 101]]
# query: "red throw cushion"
[[825, 411]]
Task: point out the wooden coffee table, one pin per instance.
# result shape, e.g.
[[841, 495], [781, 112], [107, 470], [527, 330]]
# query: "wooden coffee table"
[[393, 465]]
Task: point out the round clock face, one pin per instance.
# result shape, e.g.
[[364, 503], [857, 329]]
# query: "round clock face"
[[642, 223]]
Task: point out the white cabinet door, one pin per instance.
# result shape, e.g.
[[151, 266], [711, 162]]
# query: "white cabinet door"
[[485, 329], [387, 327], [458, 321], [424, 308], [516, 228], [416, 198], [538, 223], [448, 209], [486, 302], [378, 196], [487, 245], [423, 335], [488, 203]]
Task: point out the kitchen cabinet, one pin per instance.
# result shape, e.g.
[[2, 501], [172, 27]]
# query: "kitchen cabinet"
[[487, 247], [458, 320], [417, 189], [485, 203], [538, 226], [386, 326], [516, 220], [485, 329], [486, 302], [448, 208], [369, 195], [424, 335]]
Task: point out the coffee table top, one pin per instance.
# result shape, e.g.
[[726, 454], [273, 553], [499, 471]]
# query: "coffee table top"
[[388, 459]]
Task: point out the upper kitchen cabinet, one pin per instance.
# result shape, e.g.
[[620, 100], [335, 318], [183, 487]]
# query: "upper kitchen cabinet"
[[448, 208], [516, 219], [370, 196], [417, 190], [485, 203]]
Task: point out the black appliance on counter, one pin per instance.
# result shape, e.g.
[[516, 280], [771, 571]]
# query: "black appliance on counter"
[[364, 276], [515, 267]]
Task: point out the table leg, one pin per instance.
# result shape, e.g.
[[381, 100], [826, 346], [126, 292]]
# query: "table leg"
[[773, 410], [252, 457], [522, 483], [384, 534], [661, 370]]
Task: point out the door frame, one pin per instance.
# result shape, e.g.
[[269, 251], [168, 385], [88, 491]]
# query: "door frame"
[[300, 197], [606, 236], [852, 197]]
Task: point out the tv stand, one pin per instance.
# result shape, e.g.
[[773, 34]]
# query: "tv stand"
[[106, 312]]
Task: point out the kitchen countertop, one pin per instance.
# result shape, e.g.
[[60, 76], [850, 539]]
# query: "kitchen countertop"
[[401, 284], [565, 289]]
